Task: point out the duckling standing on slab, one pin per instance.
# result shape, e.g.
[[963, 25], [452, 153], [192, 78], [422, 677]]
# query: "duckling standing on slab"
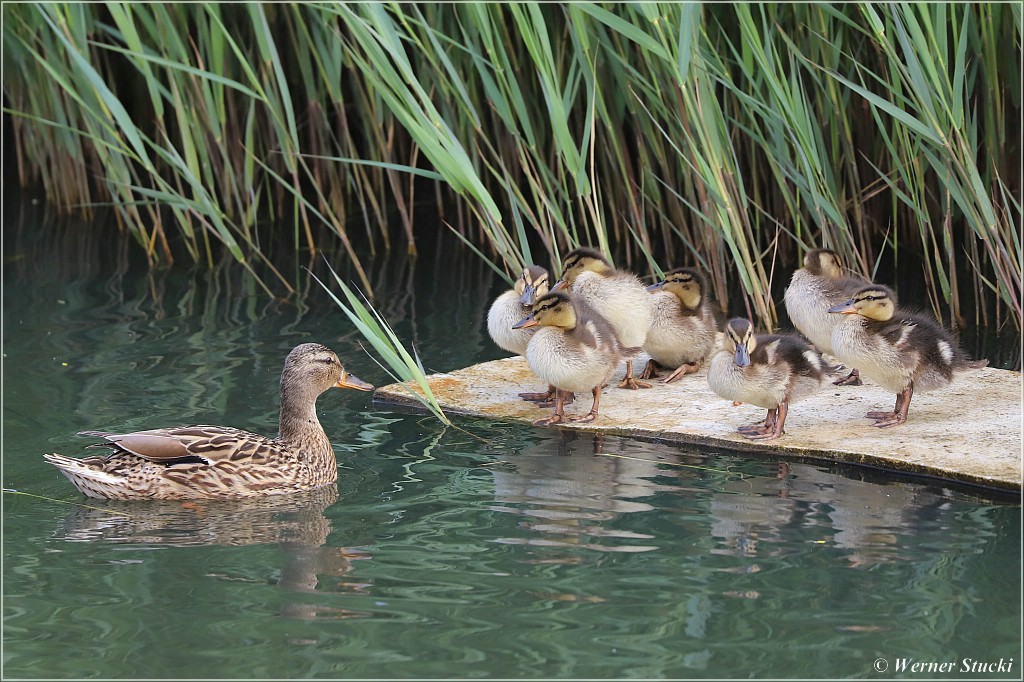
[[683, 329], [767, 370], [617, 295], [900, 351], [511, 307], [219, 462], [816, 287], [575, 349]]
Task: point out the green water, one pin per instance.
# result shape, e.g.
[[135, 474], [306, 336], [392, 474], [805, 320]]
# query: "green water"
[[507, 552]]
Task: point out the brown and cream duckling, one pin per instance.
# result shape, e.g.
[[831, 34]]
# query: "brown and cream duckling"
[[900, 351], [220, 462], [767, 370], [617, 295], [816, 287], [575, 349], [683, 328]]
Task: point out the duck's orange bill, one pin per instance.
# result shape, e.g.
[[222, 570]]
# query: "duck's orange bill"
[[352, 381], [529, 321]]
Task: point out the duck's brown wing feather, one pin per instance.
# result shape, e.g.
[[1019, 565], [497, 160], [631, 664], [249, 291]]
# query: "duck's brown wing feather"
[[200, 444]]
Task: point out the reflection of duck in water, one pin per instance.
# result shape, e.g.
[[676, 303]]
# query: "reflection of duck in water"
[[296, 523], [573, 498], [219, 462]]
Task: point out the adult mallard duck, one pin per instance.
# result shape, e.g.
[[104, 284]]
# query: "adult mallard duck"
[[902, 352], [574, 349], [511, 307], [219, 462], [617, 295], [816, 287], [683, 328], [767, 370]]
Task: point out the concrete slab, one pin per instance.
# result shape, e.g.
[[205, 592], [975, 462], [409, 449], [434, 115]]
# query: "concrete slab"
[[969, 432]]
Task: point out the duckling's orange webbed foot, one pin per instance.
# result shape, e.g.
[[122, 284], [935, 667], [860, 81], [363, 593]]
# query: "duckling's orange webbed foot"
[[632, 384], [567, 399], [899, 412], [680, 371], [767, 435], [772, 427], [553, 419], [851, 379], [650, 371], [588, 417], [538, 397], [893, 420]]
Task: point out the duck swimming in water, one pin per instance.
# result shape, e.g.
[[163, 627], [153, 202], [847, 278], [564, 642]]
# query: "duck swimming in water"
[[220, 462]]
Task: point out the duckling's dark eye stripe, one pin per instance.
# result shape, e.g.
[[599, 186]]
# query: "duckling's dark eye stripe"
[[548, 306]]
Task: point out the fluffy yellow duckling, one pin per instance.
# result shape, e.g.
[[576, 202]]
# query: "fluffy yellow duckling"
[[683, 328], [574, 349], [816, 287], [219, 462], [770, 371], [617, 295], [902, 352]]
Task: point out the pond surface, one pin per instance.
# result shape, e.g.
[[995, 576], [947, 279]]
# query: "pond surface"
[[493, 550]]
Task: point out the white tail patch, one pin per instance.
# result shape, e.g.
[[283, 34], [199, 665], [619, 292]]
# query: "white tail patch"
[[813, 358], [947, 352]]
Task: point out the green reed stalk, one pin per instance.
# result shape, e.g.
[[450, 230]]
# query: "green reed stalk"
[[730, 136]]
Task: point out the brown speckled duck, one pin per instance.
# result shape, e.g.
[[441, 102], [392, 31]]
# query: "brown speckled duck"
[[219, 462], [816, 287], [683, 329], [900, 351]]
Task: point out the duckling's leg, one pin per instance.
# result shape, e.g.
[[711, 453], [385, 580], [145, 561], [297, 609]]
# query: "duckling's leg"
[[851, 379], [881, 415], [650, 371], [761, 427], [592, 415], [629, 382], [559, 416], [681, 370], [776, 430], [568, 398], [902, 407]]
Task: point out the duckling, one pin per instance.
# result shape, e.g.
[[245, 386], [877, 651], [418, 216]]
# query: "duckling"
[[575, 349], [514, 305], [901, 351], [220, 462], [816, 287], [511, 307], [769, 371], [683, 329], [617, 295]]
